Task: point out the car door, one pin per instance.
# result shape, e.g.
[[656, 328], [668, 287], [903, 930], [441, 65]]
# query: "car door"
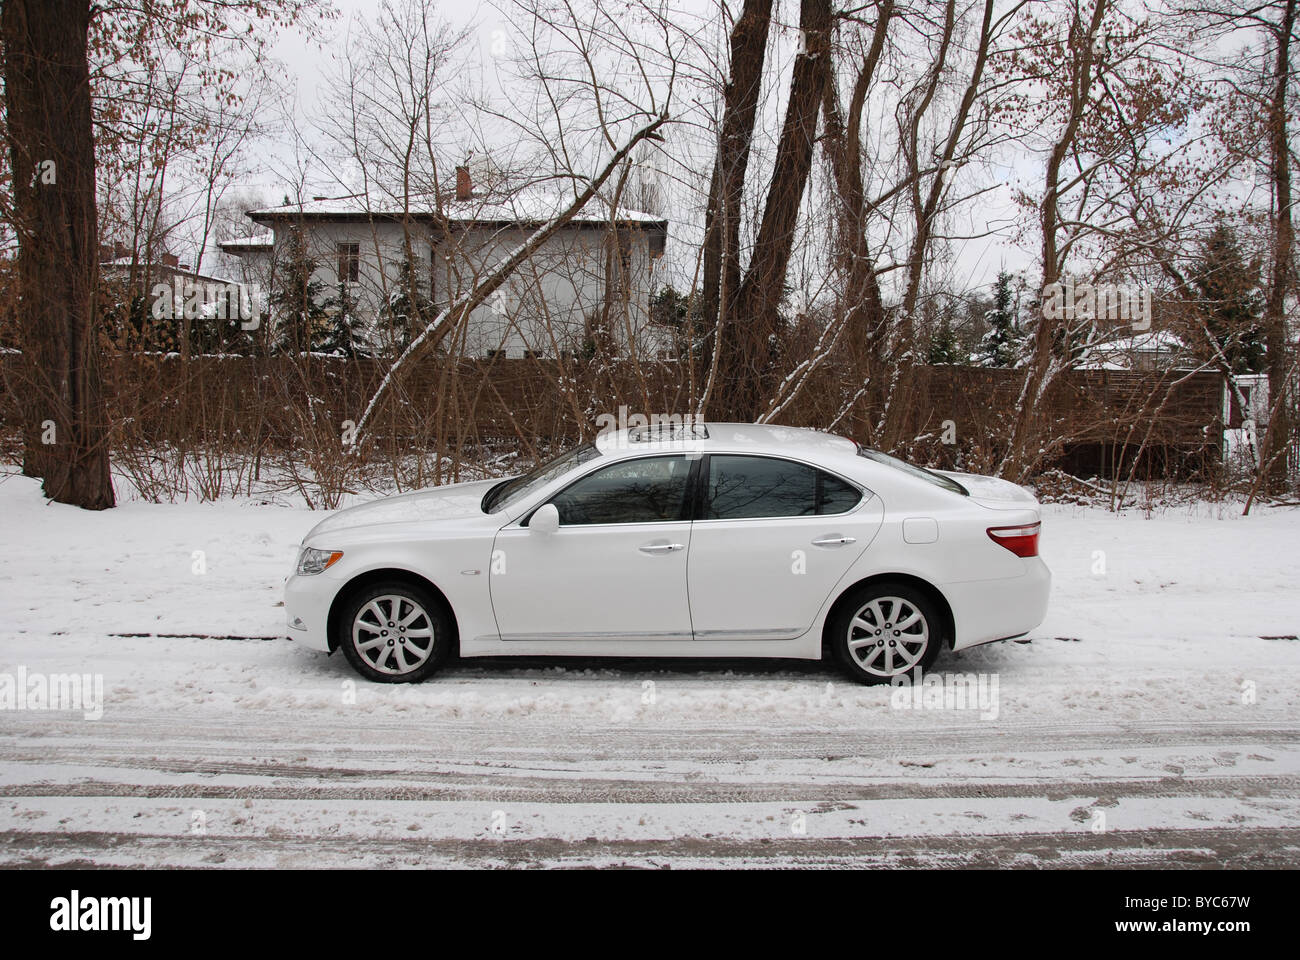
[[616, 567], [772, 539]]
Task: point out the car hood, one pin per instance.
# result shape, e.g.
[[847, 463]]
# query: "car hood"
[[452, 502], [993, 492]]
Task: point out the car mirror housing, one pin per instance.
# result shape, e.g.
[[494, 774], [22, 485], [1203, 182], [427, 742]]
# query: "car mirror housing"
[[545, 519]]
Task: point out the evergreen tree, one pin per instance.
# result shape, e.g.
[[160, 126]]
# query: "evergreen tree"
[[670, 308], [406, 310], [680, 313], [299, 304], [343, 332], [1230, 300], [944, 346], [1001, 345]]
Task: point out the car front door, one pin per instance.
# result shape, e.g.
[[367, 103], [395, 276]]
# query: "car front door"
[[773, 538], [616, 567]]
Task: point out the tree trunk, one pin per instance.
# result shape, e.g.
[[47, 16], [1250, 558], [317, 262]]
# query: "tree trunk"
[[747, 345], [52, 152], [1279, 286], [863, 303], [721, 269], [1018, 461]]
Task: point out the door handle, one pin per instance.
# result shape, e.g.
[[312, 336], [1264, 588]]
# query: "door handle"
[[833, 540], [661, 547]]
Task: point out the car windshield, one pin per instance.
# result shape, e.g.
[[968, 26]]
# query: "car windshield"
[[919, 472], [511, 491]]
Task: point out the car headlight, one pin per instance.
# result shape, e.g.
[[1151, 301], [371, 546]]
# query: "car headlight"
[[312, 561]]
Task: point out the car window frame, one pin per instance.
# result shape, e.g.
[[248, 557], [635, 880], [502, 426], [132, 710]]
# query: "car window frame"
[[702, 492], [507, 509], [689, 505]]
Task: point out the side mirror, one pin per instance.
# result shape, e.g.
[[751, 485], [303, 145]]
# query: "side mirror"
[[545, 519]]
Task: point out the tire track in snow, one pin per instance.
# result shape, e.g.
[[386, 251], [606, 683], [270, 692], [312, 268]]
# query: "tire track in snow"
[[976, 777], [1268, 848]]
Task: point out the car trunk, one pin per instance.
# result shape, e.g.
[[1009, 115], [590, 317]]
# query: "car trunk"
[[994, 492]]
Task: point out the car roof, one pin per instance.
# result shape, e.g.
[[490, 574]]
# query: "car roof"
[[685, 434]]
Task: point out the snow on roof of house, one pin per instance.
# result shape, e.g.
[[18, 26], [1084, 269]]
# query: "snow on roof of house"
[[1150, 341], [1116, 354], [527, 206], [160, 268], [257, 241]]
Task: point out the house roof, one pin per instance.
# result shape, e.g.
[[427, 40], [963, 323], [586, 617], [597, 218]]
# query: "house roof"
[[522, 208], [121, 265], [251, 244], [1150, 342], [1116, 354]]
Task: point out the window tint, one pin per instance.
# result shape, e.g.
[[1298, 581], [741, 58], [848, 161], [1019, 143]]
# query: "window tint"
[[753, 487], [509, 492], [836, 496], [649, 490], [919, 472]]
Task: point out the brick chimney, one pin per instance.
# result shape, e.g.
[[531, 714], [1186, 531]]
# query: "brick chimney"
[[120, 250], [464, 186], [170, 260]]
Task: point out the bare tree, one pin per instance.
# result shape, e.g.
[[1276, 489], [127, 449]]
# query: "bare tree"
[[52, 154], [746, 348], [722, 216]]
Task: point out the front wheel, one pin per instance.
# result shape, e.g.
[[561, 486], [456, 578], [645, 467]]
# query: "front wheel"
[[886, 630], [394, 633]]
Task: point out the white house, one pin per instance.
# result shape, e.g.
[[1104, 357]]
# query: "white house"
[[1153, 350], [589, 284]]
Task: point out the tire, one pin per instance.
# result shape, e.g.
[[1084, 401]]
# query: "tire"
[[870, 614], [385, 646]]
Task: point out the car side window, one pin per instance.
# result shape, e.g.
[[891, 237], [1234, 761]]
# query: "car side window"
[[755, 487], [648, 490], [836, 496]]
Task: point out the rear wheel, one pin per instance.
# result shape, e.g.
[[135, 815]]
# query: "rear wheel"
[[394, 632], [886, 630]]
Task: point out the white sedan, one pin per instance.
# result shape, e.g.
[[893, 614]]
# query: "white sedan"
[[704, 540]]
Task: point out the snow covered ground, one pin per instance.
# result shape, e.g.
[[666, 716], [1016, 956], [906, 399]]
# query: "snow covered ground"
[[1154, 718]]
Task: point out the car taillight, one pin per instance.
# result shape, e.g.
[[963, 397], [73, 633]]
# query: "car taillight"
[[1021, 540]]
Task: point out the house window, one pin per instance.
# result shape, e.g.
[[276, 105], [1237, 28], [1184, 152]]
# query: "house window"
[[349, 262]]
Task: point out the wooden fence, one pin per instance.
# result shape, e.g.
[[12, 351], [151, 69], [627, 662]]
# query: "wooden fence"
[[1099, 419]]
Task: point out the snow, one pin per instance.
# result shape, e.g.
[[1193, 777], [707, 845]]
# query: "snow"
[[1121, 353], [529, 205], [1162, 693], [253, 241]]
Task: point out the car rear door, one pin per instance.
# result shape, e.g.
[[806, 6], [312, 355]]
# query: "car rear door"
[[772, 538]]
